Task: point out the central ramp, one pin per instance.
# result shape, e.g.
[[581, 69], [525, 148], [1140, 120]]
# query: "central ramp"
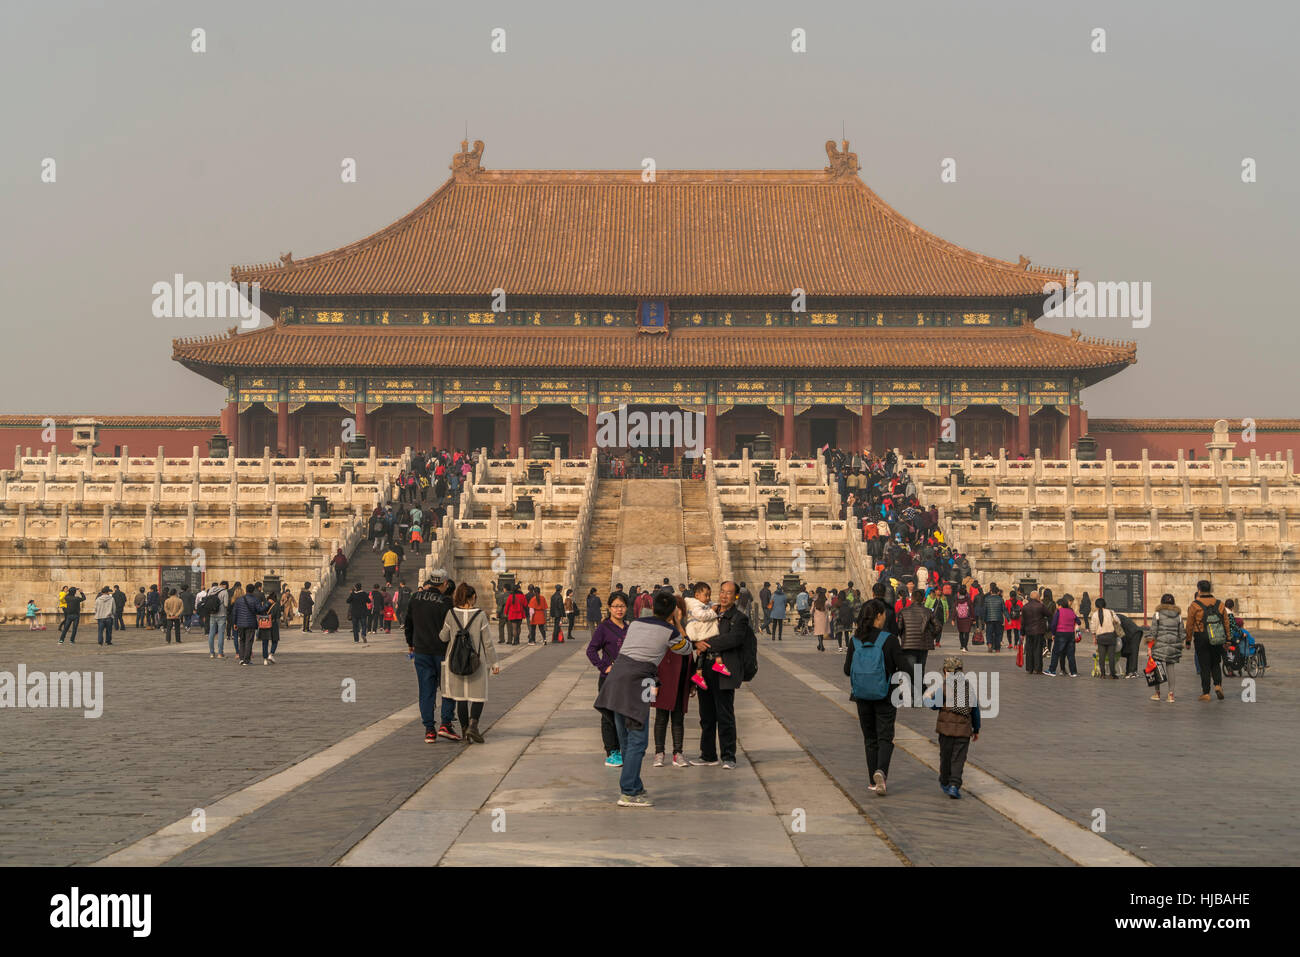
[[650, 544]]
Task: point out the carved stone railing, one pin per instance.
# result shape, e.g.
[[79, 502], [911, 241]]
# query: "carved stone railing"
[[1270, 468], [582, 528], [53, 466], [711, 500]]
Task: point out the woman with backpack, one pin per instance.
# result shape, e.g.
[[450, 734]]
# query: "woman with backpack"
[[1014, 608], [469, 657], [270, 636], [874, 657], [1165, 642], [964, 615]]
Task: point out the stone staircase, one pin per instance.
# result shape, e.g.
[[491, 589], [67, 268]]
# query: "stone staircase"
[[602, 539], [697, 536], [366, 567]]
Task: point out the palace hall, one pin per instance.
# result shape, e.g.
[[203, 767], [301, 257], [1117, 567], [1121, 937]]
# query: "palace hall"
[[793, 304]]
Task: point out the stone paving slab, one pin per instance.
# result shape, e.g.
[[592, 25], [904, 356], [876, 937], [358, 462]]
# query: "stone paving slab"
[[178, 732], [1190, 783], [1173, 780], [551, 800], [316, 823], [926, 826]]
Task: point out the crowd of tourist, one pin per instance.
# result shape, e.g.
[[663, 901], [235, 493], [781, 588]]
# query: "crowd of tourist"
[[657, 648]]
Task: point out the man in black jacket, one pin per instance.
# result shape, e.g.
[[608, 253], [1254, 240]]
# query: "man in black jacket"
[[424, 619], [1033, 623], [305, 605], [557, 614], [1132, 644], [359, 613], [71, 614], [119, 606], [718, 700]]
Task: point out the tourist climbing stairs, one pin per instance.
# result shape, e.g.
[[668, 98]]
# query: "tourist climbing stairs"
[[602, 538]]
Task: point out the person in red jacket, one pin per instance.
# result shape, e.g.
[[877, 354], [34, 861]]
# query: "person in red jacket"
[[536, 615], [516, 609], [1014, 606]]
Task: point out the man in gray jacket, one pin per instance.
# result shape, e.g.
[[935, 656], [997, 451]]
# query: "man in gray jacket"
[[217, 621], [630, 686], [916, 628]]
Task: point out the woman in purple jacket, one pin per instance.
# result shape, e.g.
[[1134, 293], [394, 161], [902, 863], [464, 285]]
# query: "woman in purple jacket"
[[603, 648], [1064, 627]]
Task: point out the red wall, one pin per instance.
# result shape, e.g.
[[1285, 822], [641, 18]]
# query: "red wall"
[[1165, 445], [139, 441]]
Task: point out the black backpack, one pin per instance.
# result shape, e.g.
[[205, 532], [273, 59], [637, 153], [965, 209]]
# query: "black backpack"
[[211, 602], [463, 659]]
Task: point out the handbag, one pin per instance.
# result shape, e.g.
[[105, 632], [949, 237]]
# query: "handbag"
[[263, 622], [1020, 656], [1155, 673]]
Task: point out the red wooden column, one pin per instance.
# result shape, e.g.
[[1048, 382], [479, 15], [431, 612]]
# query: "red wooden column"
[[945, 412], [230, 421], [360, 418], [864, 428], [787, 430], [1022, 431], [1074, 427], [711, 427], [516, 427], [282, 427], [593, 415], [439, 427]]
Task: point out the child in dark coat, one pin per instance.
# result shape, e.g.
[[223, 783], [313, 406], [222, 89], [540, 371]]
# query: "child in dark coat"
[[958, 724]]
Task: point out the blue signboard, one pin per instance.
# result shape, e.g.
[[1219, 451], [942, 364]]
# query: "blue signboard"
[[652, 315]]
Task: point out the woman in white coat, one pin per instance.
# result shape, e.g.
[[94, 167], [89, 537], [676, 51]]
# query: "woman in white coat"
[[1105, 625], [468, 691]]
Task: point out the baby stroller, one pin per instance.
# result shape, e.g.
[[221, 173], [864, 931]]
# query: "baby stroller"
[[1242, 654]]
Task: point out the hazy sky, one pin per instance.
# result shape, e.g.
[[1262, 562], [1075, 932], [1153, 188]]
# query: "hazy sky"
[[1125, 164]]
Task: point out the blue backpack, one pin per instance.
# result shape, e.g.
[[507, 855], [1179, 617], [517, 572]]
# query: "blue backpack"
[[867, 674]]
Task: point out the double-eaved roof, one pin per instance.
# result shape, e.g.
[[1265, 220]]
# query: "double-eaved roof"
[[685, 234], [621, 235]]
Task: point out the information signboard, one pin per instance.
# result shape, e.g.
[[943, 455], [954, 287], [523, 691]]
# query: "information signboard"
[[1125, 591]]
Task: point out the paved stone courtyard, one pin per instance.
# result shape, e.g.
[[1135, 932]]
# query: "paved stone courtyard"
[[285, 771]]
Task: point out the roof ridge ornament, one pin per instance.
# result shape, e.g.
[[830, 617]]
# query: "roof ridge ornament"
[[466, 164], [1024, 262], [843, 163], [287, 259]]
